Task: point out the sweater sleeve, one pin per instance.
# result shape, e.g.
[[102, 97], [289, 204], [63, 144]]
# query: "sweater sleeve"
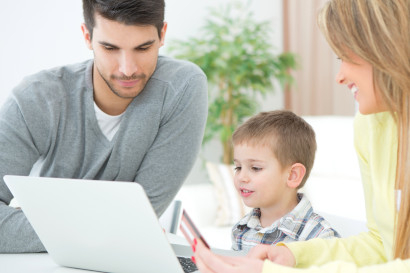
[[18, 154], [366, 252], [176, 146]]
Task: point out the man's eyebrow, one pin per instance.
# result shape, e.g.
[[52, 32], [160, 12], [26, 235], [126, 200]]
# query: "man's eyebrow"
[[147, 43], [107, 44]]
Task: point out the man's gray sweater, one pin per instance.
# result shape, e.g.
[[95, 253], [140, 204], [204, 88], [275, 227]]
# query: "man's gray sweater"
[[50, 115]]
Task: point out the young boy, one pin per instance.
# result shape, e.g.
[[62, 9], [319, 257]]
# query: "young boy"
[[273, 155]]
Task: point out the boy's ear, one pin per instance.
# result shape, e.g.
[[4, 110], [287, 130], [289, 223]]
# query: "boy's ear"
[[296, 174]]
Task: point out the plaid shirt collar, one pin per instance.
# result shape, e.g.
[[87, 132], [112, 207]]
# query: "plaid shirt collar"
[[288, 224]]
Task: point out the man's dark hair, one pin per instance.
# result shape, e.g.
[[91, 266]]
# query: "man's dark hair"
[[128, 12]]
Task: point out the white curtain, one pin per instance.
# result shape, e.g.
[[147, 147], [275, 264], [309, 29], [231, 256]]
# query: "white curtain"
[[315, 91]]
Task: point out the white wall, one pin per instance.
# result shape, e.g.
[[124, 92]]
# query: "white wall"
[[41, 34], [36, 35]]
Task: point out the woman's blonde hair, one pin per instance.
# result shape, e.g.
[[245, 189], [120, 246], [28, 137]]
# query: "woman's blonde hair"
[[378, 32]]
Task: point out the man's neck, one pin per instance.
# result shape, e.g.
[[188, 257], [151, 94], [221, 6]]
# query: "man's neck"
[[113, 106]]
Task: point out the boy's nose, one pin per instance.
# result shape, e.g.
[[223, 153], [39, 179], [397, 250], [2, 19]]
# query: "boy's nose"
[[244, 177]]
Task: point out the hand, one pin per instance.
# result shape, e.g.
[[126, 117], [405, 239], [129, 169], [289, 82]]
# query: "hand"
[[208, 262], [277, 254]]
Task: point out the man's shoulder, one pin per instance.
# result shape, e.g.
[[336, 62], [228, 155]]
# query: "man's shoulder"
[[50, 81], [176, 71], [60, 71], [57, 75]]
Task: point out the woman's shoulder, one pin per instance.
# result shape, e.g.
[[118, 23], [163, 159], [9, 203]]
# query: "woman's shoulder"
[[372, 132], [373, 123]]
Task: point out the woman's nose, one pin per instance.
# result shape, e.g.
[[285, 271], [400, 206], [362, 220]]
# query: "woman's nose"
[[340, 79]]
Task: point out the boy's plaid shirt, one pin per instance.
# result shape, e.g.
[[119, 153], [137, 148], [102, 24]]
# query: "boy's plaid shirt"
[[300, 224]]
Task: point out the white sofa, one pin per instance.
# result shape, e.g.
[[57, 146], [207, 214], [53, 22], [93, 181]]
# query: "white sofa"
[[334, 186]]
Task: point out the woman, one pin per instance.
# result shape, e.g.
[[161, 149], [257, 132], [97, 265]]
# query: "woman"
[[371, 37]]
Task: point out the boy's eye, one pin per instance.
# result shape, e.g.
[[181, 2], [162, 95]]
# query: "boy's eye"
[[256, 169], [236, 169]]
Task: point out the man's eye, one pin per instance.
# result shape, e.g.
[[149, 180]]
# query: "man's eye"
[[109, 48], [143, 48]]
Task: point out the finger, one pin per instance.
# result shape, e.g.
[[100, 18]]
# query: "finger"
[[260, 252], [232, 260], [210, 261], [202, 267], [282, 255], [199, 254]]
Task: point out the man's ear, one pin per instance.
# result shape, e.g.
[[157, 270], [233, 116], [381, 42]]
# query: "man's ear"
[[296, 174], [163, 32], [87, 36]]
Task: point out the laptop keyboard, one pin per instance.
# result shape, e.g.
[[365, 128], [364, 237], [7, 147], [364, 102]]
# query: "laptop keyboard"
[[187, 264]]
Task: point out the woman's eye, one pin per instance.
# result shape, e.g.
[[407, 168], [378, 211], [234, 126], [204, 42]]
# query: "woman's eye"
[[256, 169], [236, 169]]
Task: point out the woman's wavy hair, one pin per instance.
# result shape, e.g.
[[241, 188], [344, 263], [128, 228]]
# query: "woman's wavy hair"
[[378, 32]]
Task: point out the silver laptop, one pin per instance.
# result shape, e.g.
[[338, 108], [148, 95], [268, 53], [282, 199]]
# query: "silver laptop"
[[97, 225]]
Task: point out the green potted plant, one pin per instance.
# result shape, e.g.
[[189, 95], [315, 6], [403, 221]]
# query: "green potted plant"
[[234, 52]]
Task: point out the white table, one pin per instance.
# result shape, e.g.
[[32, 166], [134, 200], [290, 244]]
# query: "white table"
[[32, 263], [42, 262]]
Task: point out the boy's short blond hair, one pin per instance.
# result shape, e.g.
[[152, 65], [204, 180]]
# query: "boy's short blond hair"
[[289, 136]]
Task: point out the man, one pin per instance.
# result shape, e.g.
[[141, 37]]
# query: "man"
[[126, 115]]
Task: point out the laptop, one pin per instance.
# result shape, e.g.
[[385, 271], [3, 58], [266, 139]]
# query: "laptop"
[[98, 225]]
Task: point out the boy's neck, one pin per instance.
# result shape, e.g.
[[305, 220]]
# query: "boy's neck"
[[271, 214]]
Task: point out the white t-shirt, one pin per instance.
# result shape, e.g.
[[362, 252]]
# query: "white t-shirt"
[[109, 125]]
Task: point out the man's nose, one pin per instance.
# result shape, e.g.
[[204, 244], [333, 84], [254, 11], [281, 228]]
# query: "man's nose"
[[127, 66]]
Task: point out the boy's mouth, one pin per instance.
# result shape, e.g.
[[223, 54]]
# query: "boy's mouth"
[[245, 192]]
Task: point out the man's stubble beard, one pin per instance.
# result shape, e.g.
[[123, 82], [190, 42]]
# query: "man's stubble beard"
[[141, 77]]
